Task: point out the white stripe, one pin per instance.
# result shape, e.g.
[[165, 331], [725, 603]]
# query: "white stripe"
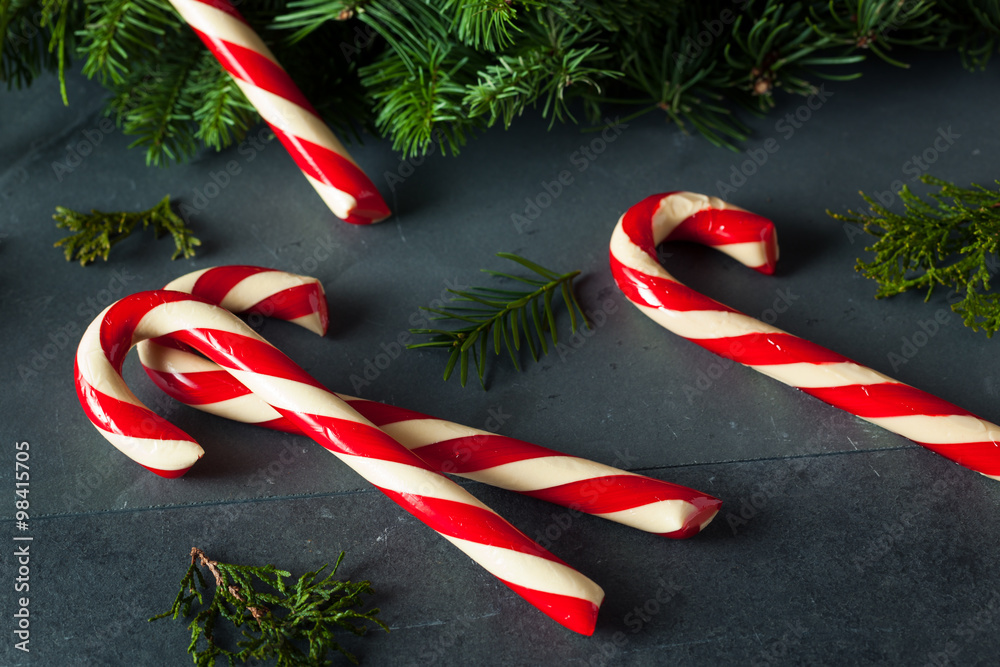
[[186, 282], [940, 430], [819, 375], [291, 118], [413, 433], [171, 360], [707, 323], [217, 23], [543, 473], [664, 516], [159, 454], [750, 253], [530, 571], [259, 286], [312, 322], [409, 480], [340, 202], [247, 409], [174, 316], [292, 395]]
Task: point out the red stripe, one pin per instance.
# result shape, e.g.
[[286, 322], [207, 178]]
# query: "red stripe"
[[337, 171], [637, 223], [478, 452], [767, 349], [614, 493], [242, 353], [199, 388], [657, 292], [293, 303], [123, 418], [225, 6], [890, 399], [256, 69], [576, 614], [468, 522], [215, 284], [713, 227], [122, 318], [350, 437], [982, 457], [381, 414]]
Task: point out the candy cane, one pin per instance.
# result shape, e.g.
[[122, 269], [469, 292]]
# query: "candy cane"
[[749, 238], [555, 588], [318, 153], [641, 502]]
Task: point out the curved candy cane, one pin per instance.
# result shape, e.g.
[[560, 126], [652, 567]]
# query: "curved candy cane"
[[554, 587], [641, 502], [348, 192], [831, 377]]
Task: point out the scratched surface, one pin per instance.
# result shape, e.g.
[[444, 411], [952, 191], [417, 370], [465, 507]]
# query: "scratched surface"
[[838, 543]]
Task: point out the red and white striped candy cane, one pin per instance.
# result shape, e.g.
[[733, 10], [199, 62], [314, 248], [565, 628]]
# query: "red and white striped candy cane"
[[346, 189], [641, 502], [831, 377], [554, 587]]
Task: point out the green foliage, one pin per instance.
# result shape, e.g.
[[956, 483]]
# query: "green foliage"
[[430, 73], [512, 316], [277, 622], [96, 232], [951, 242]]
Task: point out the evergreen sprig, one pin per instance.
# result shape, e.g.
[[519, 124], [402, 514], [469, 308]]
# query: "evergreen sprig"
[[508, 317], [433, 72], [949, 242], [96, 232], [295, 624]]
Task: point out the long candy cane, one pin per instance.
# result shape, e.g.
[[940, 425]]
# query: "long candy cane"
[[348, 192], [555, 588], [641, 502], [831, 377]]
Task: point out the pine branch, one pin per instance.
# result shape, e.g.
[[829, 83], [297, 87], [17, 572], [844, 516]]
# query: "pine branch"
[[511, 316], [119, 32], [278, 624], [96, 232], [952, 242]]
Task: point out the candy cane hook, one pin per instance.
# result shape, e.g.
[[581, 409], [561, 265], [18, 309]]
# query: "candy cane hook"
[[641, 502], [831, 377], [555, 588], [327, 166]]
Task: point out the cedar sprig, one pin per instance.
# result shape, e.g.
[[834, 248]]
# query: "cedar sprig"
[[508, 317], [292, 623], [96, 232], [950, 242]]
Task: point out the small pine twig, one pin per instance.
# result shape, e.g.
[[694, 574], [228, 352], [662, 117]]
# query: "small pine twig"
[[312, 611], [512, 316], [96, 232], [937, 244]]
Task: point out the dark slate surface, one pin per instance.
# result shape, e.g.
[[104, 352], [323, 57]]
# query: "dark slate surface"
[[839, 543]]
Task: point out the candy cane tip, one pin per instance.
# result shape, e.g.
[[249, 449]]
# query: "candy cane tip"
[[695, 523], [169, 474]]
